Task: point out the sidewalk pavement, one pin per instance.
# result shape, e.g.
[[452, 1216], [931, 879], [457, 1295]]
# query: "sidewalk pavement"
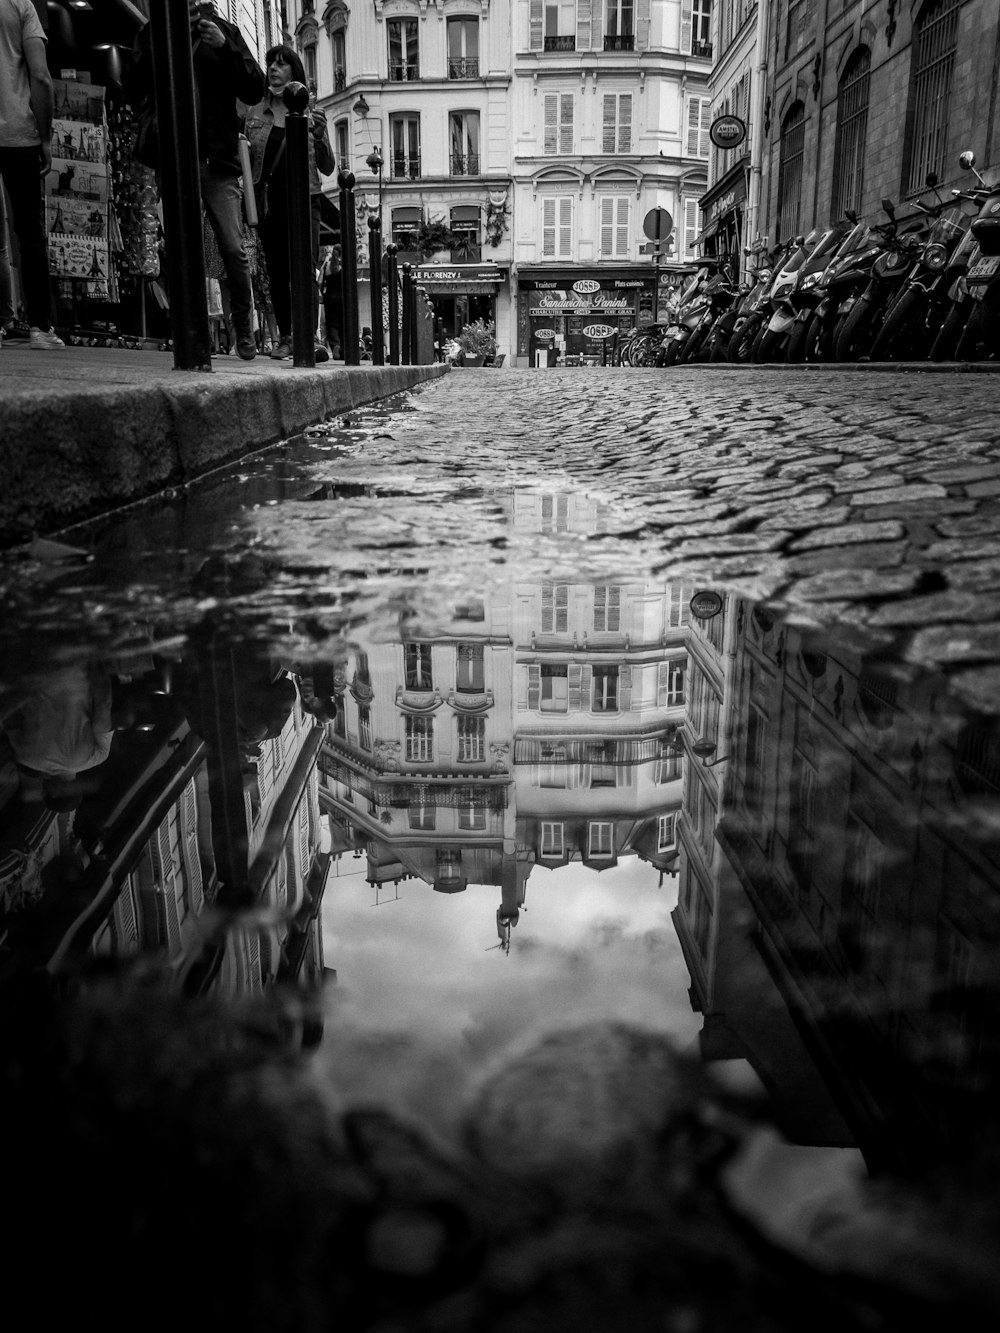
[[87, 428]]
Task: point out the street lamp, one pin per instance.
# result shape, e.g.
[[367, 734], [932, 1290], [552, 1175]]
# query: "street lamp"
[[375, 164], [703, 749]]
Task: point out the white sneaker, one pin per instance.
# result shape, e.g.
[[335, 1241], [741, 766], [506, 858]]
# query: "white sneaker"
[[45, 340]]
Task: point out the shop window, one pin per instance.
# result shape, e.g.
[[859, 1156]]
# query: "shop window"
[[463, 134], [471, 740], [417, 660], [699, 118], [852, 130], [619, 34], [419, 740], [469, 668], [558, 129], [790, 149], [463, 48], [557, 227], [560, 25], [701, 28], [616, 134], [555, 689], [552, 840], [600, 839], [935, 34], [339, 43], [665, 832], [465, 222], [404, 50], [404, 135], [404, 223], [607, 608], [555, 608], [615, 235], [605, 692], [342, 141]]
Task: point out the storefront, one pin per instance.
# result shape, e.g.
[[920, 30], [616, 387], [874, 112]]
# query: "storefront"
[[723, 208], [463, 293], [570, 317]]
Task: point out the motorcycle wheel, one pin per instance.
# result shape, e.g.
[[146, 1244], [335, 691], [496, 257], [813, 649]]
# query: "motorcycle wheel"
[[692, 346], [853, 339], [976, 331], [945, 345], [795, 348], [818, 340], [673, 349], [895, 337], [742, 340], [769, 347]]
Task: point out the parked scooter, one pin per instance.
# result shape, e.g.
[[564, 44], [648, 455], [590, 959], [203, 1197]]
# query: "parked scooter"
[[788, 299], [721, 291], [753, 311], [694, 304], [981, 336], [865, 314], [717, 344], [839, 285]]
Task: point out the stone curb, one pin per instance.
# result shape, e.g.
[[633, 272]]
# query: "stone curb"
[[70, 455], [882, 367]]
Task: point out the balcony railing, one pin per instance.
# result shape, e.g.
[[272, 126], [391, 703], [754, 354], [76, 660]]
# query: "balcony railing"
[[339, 79], [560, 44], [465, 67], [400, 72], [465, 164], [405, 168], [624, 42], [703, 49]]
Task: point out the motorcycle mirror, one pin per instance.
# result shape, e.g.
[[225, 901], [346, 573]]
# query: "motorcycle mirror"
[[967, 160], [931, 179], [850, 214], [800, 240], [889, 208]]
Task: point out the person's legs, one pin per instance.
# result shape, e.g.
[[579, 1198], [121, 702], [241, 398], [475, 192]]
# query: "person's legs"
[[19, 170], [7, 311], [223, 197], [274, 237]]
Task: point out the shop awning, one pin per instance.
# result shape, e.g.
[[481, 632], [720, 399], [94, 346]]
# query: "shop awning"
[[466, 213], [329, 221], [709, 231]]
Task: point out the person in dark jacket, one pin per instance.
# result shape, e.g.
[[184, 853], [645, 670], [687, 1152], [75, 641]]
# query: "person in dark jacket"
[[225, 71]]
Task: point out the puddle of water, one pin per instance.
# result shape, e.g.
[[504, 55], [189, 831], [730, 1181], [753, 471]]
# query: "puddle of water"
[[374, 782]]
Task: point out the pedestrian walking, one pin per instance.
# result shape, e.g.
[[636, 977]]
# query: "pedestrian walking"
[[224, 72], [333, 301], [265, 128], [26, 157]]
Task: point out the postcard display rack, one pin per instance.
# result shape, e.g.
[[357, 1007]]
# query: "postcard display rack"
[[79, 219]]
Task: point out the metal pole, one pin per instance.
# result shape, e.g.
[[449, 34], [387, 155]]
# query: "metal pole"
[[173, 88], [405, 353], [303, 278], [349, 268], [375, 269], [419, 298], [392, 286]]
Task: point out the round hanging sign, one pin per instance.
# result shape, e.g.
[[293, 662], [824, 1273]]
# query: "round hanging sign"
[[705, 605], [727, 131], [599, 331]]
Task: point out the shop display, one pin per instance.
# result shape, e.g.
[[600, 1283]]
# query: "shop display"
[[77, 194]]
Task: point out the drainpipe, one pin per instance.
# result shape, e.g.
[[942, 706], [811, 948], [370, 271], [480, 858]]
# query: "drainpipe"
[[756, 184], [820, 50]]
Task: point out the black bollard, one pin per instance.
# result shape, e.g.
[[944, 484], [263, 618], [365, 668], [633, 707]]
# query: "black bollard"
[[301, 271], [349, 269], [375, 269], [406, 349], [173, 88], [392, 287], [419, 301]]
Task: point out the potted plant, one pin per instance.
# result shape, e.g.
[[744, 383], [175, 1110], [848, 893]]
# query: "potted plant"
[[478, 341]]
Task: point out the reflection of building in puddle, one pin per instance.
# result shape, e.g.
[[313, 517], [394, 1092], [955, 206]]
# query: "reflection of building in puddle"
[[187, 789], [542, 734], [846, 861]]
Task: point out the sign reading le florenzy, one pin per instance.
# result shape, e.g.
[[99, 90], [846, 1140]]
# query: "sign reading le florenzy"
[[727, 131]]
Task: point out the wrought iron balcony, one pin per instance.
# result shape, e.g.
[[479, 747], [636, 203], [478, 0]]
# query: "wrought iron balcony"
[[560, 44], [624, 42], [339, 79], [465, 164], [405, 168], [703, 49], [401, 72], [466, 67]]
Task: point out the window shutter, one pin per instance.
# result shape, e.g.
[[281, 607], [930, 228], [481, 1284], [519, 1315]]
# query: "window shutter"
[[549, 228], [690, 224], [574, 688], [535, 25], [584, 16], [705, 121], [607, 226], [621, 240], [597, 26], [610, 124], [534, 686], [192, 861], [615, 592], [566, 123], [642, 10], [694, 123], [625, 123], [686, 26], [551, 132], [565, 227], [125, 920], [548, 622]]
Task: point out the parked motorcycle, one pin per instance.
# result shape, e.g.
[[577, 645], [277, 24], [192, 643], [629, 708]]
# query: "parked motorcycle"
[[837, 288], [791, 296], [695, 303], [863, 315], [752, 313], [981, 335]]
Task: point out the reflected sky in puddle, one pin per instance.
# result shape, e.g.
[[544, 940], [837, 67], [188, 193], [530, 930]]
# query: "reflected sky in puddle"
[[458, 748]]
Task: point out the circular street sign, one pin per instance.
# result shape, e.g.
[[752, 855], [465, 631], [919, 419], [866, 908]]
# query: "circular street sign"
[[657, 224], [599, 331], [705, 605], [727, 131]]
